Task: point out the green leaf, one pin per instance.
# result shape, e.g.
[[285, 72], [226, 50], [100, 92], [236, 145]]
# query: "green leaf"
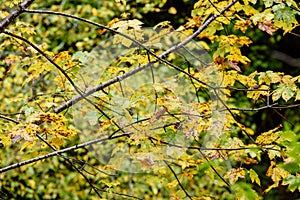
[[283, 13], [292, 167], [244, 191], [288, 136], [293, 182]]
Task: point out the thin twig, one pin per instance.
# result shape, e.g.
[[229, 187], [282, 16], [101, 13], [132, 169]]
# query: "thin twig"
[[178, 181], [77, 89], [207, 148], [72, 164], [134, 71], [56, 153], [214, 169], [234, 117], [286, 106], [252, 109], [9, 119]]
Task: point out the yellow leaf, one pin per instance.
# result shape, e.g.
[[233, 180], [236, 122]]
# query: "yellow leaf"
[[229, 78], [162, 24], [172, 184], [268, 137], [242, 25], [234, 174], [27, 144], [275, 185], [253, 94], [56, 142], [276, 173]]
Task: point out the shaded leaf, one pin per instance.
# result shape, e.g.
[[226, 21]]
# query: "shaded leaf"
[[254, 177]]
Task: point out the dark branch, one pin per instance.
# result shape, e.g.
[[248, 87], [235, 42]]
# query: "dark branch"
[[14, 14], [209, 149], [77, 89], [178, 181], [56, 153], [68, 160], [134, 71], [9, 119]]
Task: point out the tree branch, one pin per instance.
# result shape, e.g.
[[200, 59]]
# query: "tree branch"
[[14, 14], [77, 89], [136, 70], [9, 119], [178, 181], [56, 153], [72, 164]]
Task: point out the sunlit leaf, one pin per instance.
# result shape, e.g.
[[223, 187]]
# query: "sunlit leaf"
[[268, 137], [293, 182]]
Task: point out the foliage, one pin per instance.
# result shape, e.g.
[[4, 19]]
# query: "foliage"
[[108, 111]]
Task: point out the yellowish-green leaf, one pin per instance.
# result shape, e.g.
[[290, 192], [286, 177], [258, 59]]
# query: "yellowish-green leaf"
[[243, 191], [268, 3], [297, 95], [289, 92], [254, 177], [234, 174], [274, 153], [293, 182], [28, 144]]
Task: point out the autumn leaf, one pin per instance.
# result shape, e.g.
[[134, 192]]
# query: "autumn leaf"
[[234, 65], [254, 177], [268, 27], [234, 174], [268, 137], [157, 115]]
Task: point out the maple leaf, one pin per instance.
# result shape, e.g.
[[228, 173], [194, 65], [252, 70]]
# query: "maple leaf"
[[158, 115], [267, 26], [234, 65]]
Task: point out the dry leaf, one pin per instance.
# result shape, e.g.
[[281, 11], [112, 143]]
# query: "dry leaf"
[[234, 65], [267, 27]]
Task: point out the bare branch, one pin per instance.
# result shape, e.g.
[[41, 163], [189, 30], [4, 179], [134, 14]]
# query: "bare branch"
[[253, 109], [72, 164], [9, 119], [64, 73], [136, 70], [178, 181], [294, 62], [56, 153], [209, 149], [14, 14], [286, 106]]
